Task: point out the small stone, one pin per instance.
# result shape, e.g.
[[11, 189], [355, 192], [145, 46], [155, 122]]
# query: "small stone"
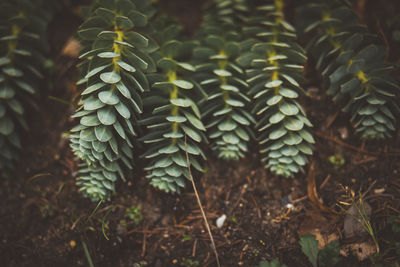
[[220, 221]]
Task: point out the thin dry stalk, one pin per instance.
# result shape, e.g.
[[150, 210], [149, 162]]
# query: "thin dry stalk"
[[200, 205]]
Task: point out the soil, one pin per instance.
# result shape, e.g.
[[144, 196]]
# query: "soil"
[[44, 221]]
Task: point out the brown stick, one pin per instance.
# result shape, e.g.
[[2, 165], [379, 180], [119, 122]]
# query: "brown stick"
[[312, 191], [200, 205]]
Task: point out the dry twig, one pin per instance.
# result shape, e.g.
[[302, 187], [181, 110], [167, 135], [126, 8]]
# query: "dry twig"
[[200, 205]]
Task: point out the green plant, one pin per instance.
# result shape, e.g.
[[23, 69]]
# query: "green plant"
[[145, 80], [23, 47], [187, 262], [361, 217], [337, 161], [273, 263], [116, 57], [225, 108], [328, 256], [134, 213], [173, 114], [274, 68], [353, 67]]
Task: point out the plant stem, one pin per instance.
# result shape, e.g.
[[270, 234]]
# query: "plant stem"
[[200, 205]]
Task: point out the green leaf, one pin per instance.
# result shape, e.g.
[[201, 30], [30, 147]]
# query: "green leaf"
[[108, 97], [274, 263], [173, 135], [136, 39], [292, 139], [227, 87], [305, 148], [309, 246], [123, 90], [88, 135], [92, 103], [289, 109], [183, 84], [274, 100], [123, 22], [110, 77], [103, 133], [6, 126], [169, 149], [227, 126], [350, 86], [173, 171], [25, 86], [137, 18], [107, 115], [99, 147], [119, 129], [276, 118], [367, 110], [231, 138], [288, 93], [109, 35], [13, 72], [4, 61], [307, 136], [194, 121], [293, 124], [234, 103], [95, 71], [186, 66], [180, 102], [15, 105], [93, 88], [90, 120], [123, 110], [329, 256], [178, 119], [126, 66], [222, 73], [240, 119], [6, 92], [273, 84], [278, 133], [108, 55], [291, 80], [191, 133]]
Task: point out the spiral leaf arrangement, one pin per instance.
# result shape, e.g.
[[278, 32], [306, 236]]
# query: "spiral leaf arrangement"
[[274, 68], [23, 47], [225, 108], [116, 59], [174, 126], [353, 67]]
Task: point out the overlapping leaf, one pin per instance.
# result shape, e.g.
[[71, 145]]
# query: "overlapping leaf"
[[274, 65], [116, 60], [225, 109], [353, 67], [173, 119], [23, 46]]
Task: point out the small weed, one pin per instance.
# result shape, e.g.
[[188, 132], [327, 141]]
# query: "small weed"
[[337, 161], [187, 237], [186, 262], [256, 252], [273, 263], [326, 257], [47, 210], [363, 219], [134, 213]]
